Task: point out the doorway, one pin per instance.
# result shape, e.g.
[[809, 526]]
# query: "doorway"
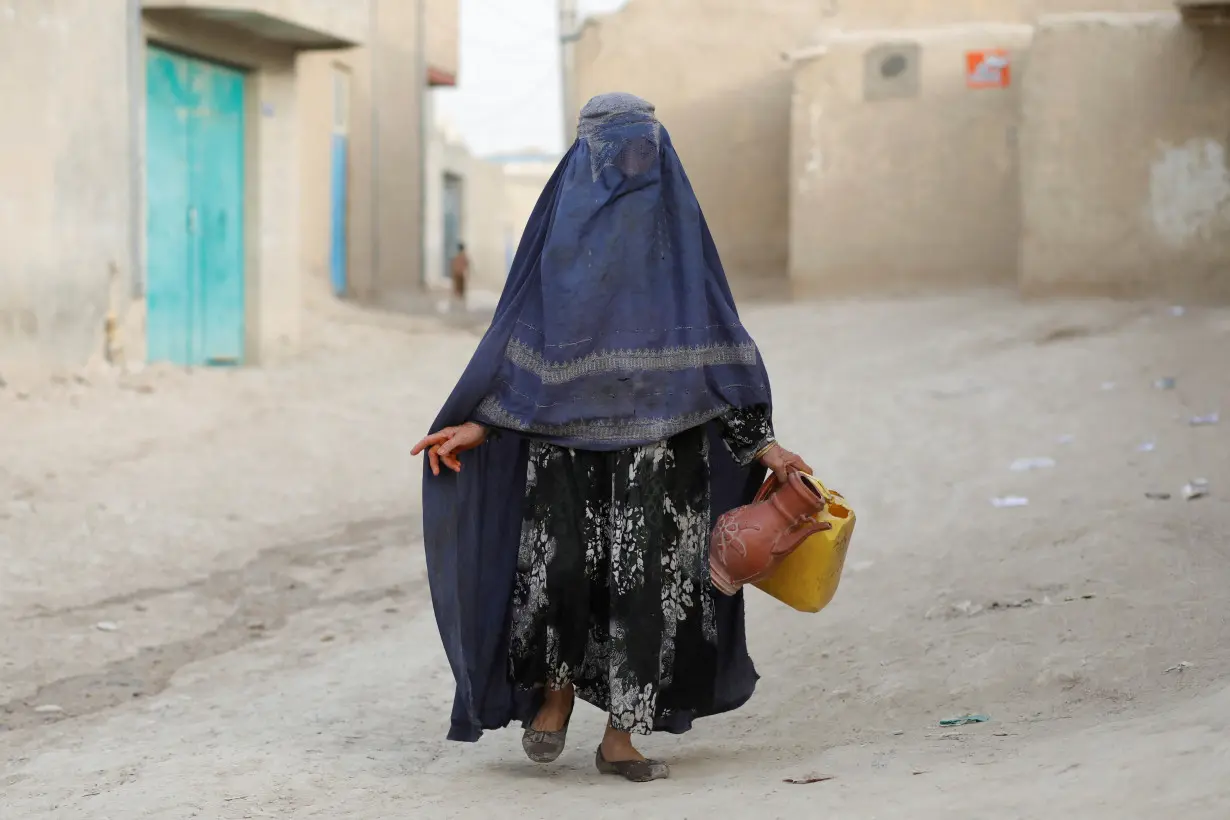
[[452, 221], [194, 223]]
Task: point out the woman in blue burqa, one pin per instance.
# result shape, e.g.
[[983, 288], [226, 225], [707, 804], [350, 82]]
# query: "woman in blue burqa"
[[615, 407]]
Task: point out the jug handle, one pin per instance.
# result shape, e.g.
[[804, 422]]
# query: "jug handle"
[[771, 484]]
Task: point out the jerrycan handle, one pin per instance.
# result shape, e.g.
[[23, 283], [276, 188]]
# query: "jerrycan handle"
[[824, 491]]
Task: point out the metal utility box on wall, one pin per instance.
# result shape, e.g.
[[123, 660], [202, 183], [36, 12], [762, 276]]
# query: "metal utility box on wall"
[[891, 71]]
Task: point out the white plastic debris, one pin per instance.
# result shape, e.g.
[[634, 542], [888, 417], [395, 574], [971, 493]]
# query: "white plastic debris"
[[107, 626], [967, 608], [1108, 386], [1204, 421], [1024, 465], [48, 709], [1182, 666], [1177, 310], [1196, 488], [1066, 438], [1006, 501], [1146, 447]]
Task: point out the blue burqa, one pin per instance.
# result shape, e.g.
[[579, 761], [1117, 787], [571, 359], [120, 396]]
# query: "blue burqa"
[[616, 328]]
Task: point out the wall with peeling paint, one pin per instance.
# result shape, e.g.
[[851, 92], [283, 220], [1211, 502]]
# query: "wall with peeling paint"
[[903, 177], [66, 198], [717, 70], [1124, 139]]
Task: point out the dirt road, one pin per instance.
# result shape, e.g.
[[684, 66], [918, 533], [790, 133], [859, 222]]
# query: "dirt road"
[[215, 607]]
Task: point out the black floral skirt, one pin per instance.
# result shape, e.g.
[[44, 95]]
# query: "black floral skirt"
[[612, 591]]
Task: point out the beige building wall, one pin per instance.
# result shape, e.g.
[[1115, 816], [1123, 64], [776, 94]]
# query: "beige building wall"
[[320, 75], [1124, 138], [443, 38], [387, 90], [1034, 9], [279, 19], [524, 182], [482, 216], [398, 84], [498, 197], [72, 228], [483, 222], [904, 178], [715, 70], [68, 242], [718, 73], [445, 156]]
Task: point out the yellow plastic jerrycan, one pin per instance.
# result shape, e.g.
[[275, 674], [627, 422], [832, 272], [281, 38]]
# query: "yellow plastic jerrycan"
[[807, 580]]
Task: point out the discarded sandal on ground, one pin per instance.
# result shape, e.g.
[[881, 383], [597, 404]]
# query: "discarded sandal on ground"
[[544, 747], [637, 771]]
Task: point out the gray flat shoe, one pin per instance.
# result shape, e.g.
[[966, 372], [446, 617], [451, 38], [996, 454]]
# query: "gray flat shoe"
[[544, 747], [637, 771]]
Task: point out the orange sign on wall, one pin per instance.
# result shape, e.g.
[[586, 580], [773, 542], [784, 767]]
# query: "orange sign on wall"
[[988, 69]]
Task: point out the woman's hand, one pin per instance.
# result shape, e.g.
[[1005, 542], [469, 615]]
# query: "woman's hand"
[[449, 443], [782, 462]]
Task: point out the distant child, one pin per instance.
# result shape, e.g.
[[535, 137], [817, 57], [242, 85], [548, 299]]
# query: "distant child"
[[460, 269]]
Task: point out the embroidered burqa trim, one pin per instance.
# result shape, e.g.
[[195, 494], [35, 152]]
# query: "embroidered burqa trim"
[[623, 361]]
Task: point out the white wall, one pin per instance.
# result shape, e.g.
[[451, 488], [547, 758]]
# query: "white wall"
[[489, 214], [67, 237], [1125, 132], [908, 181]]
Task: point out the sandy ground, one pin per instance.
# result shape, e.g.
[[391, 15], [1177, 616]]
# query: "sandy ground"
[[214, 603]]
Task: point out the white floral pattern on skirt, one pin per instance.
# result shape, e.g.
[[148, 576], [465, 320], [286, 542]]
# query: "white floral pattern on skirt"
[[612, 591]]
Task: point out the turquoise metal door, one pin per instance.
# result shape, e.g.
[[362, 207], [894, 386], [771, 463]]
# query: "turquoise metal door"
[[168, 290], [338, 194], [216, 138], [194, 188]]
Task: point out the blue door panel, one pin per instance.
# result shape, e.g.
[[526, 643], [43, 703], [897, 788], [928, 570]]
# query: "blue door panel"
[[337, 214], [195, 191], [168, 285], [217, 183]]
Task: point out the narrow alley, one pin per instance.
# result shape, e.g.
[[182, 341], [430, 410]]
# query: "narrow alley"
[[216, 603]]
